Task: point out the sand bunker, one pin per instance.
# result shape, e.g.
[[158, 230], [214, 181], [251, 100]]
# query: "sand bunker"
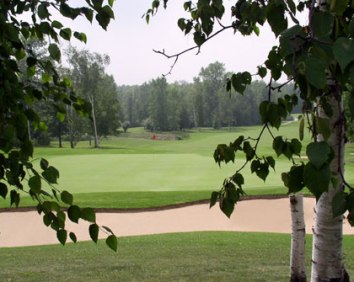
[[27, 228]]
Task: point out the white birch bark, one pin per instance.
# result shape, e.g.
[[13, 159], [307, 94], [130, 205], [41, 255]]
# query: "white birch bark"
[[298, 232], [327, 257]]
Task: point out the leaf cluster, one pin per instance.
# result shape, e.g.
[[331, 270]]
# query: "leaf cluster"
[[318, 57], [27, 78]]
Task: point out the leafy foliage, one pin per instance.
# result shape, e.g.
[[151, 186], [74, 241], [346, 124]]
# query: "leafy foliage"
[[27, 79], [318, 58]]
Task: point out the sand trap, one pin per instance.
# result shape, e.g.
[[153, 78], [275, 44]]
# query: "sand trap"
[[27, 228]]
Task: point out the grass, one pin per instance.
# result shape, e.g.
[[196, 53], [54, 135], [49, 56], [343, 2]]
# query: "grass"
[[129, 168], [199, 256]]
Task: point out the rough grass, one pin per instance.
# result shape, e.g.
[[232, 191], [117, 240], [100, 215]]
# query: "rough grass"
[[200, 256]]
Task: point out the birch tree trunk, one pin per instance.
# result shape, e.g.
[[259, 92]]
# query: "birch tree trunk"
[[298, 232], [327, 257]]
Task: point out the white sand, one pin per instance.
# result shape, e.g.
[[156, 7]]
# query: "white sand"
[[27, 228]]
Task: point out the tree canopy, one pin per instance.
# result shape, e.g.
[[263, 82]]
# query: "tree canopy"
[[23, 86], [318, 57]]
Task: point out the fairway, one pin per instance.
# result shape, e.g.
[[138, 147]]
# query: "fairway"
[[132, 170]]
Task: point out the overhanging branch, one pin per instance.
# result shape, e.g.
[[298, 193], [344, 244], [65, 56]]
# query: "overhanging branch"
[[198, 47]]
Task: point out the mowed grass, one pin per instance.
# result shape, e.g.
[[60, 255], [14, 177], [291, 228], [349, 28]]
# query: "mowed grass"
[[133, 170], [200, 256]]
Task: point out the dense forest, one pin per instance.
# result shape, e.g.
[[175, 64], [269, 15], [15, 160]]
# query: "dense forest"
[[155, 105]]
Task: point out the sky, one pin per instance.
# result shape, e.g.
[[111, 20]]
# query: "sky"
[[129, 41]]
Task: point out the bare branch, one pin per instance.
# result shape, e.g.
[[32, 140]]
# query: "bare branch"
[[177, 55]]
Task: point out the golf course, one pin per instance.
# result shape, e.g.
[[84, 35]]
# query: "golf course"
[[136, 170]]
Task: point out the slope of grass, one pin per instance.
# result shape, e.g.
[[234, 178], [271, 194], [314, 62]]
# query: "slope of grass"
[[201, 256]]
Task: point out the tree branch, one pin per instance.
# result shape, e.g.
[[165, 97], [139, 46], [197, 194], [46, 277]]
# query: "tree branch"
[[177, 55]]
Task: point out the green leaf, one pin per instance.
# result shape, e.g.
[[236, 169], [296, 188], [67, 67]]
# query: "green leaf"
[[46, 77], [237, 143], [262, 71], [238, 179], [48, 218], [296, 146], [54, 51], [73, 237], [51, 174], [315, 72], [74, 213], [35, 184], [343, 50], [61, 116], [213, 198], [14, 198], [276, 18], [199, 38], [294, 179], [270, 160], [322, 24], [181, 24], [31, 71], [88, 214], [94, 230], [43, 11], [318, 153], [103, 20], [278, 145], [240, 81], [88, 13], [80, 36], [339, 203], [62, 236], [224, 153], [227, 206], [65, 33], [291, 40], [317, 180], [66, 197], [3, 190], [56, 24], [112, 242], [248, 150], [111, 2], [261, 169], [323, 127], [61, 217]]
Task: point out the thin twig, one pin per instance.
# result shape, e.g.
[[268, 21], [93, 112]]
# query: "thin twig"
[[177, 55]]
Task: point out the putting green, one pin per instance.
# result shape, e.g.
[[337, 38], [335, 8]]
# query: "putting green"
[[149, 172]]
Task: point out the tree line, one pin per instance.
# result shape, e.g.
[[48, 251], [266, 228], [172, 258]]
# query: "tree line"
[[157, 105]]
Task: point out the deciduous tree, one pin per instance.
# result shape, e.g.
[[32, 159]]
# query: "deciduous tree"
[[20, 22], [319, 58]]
